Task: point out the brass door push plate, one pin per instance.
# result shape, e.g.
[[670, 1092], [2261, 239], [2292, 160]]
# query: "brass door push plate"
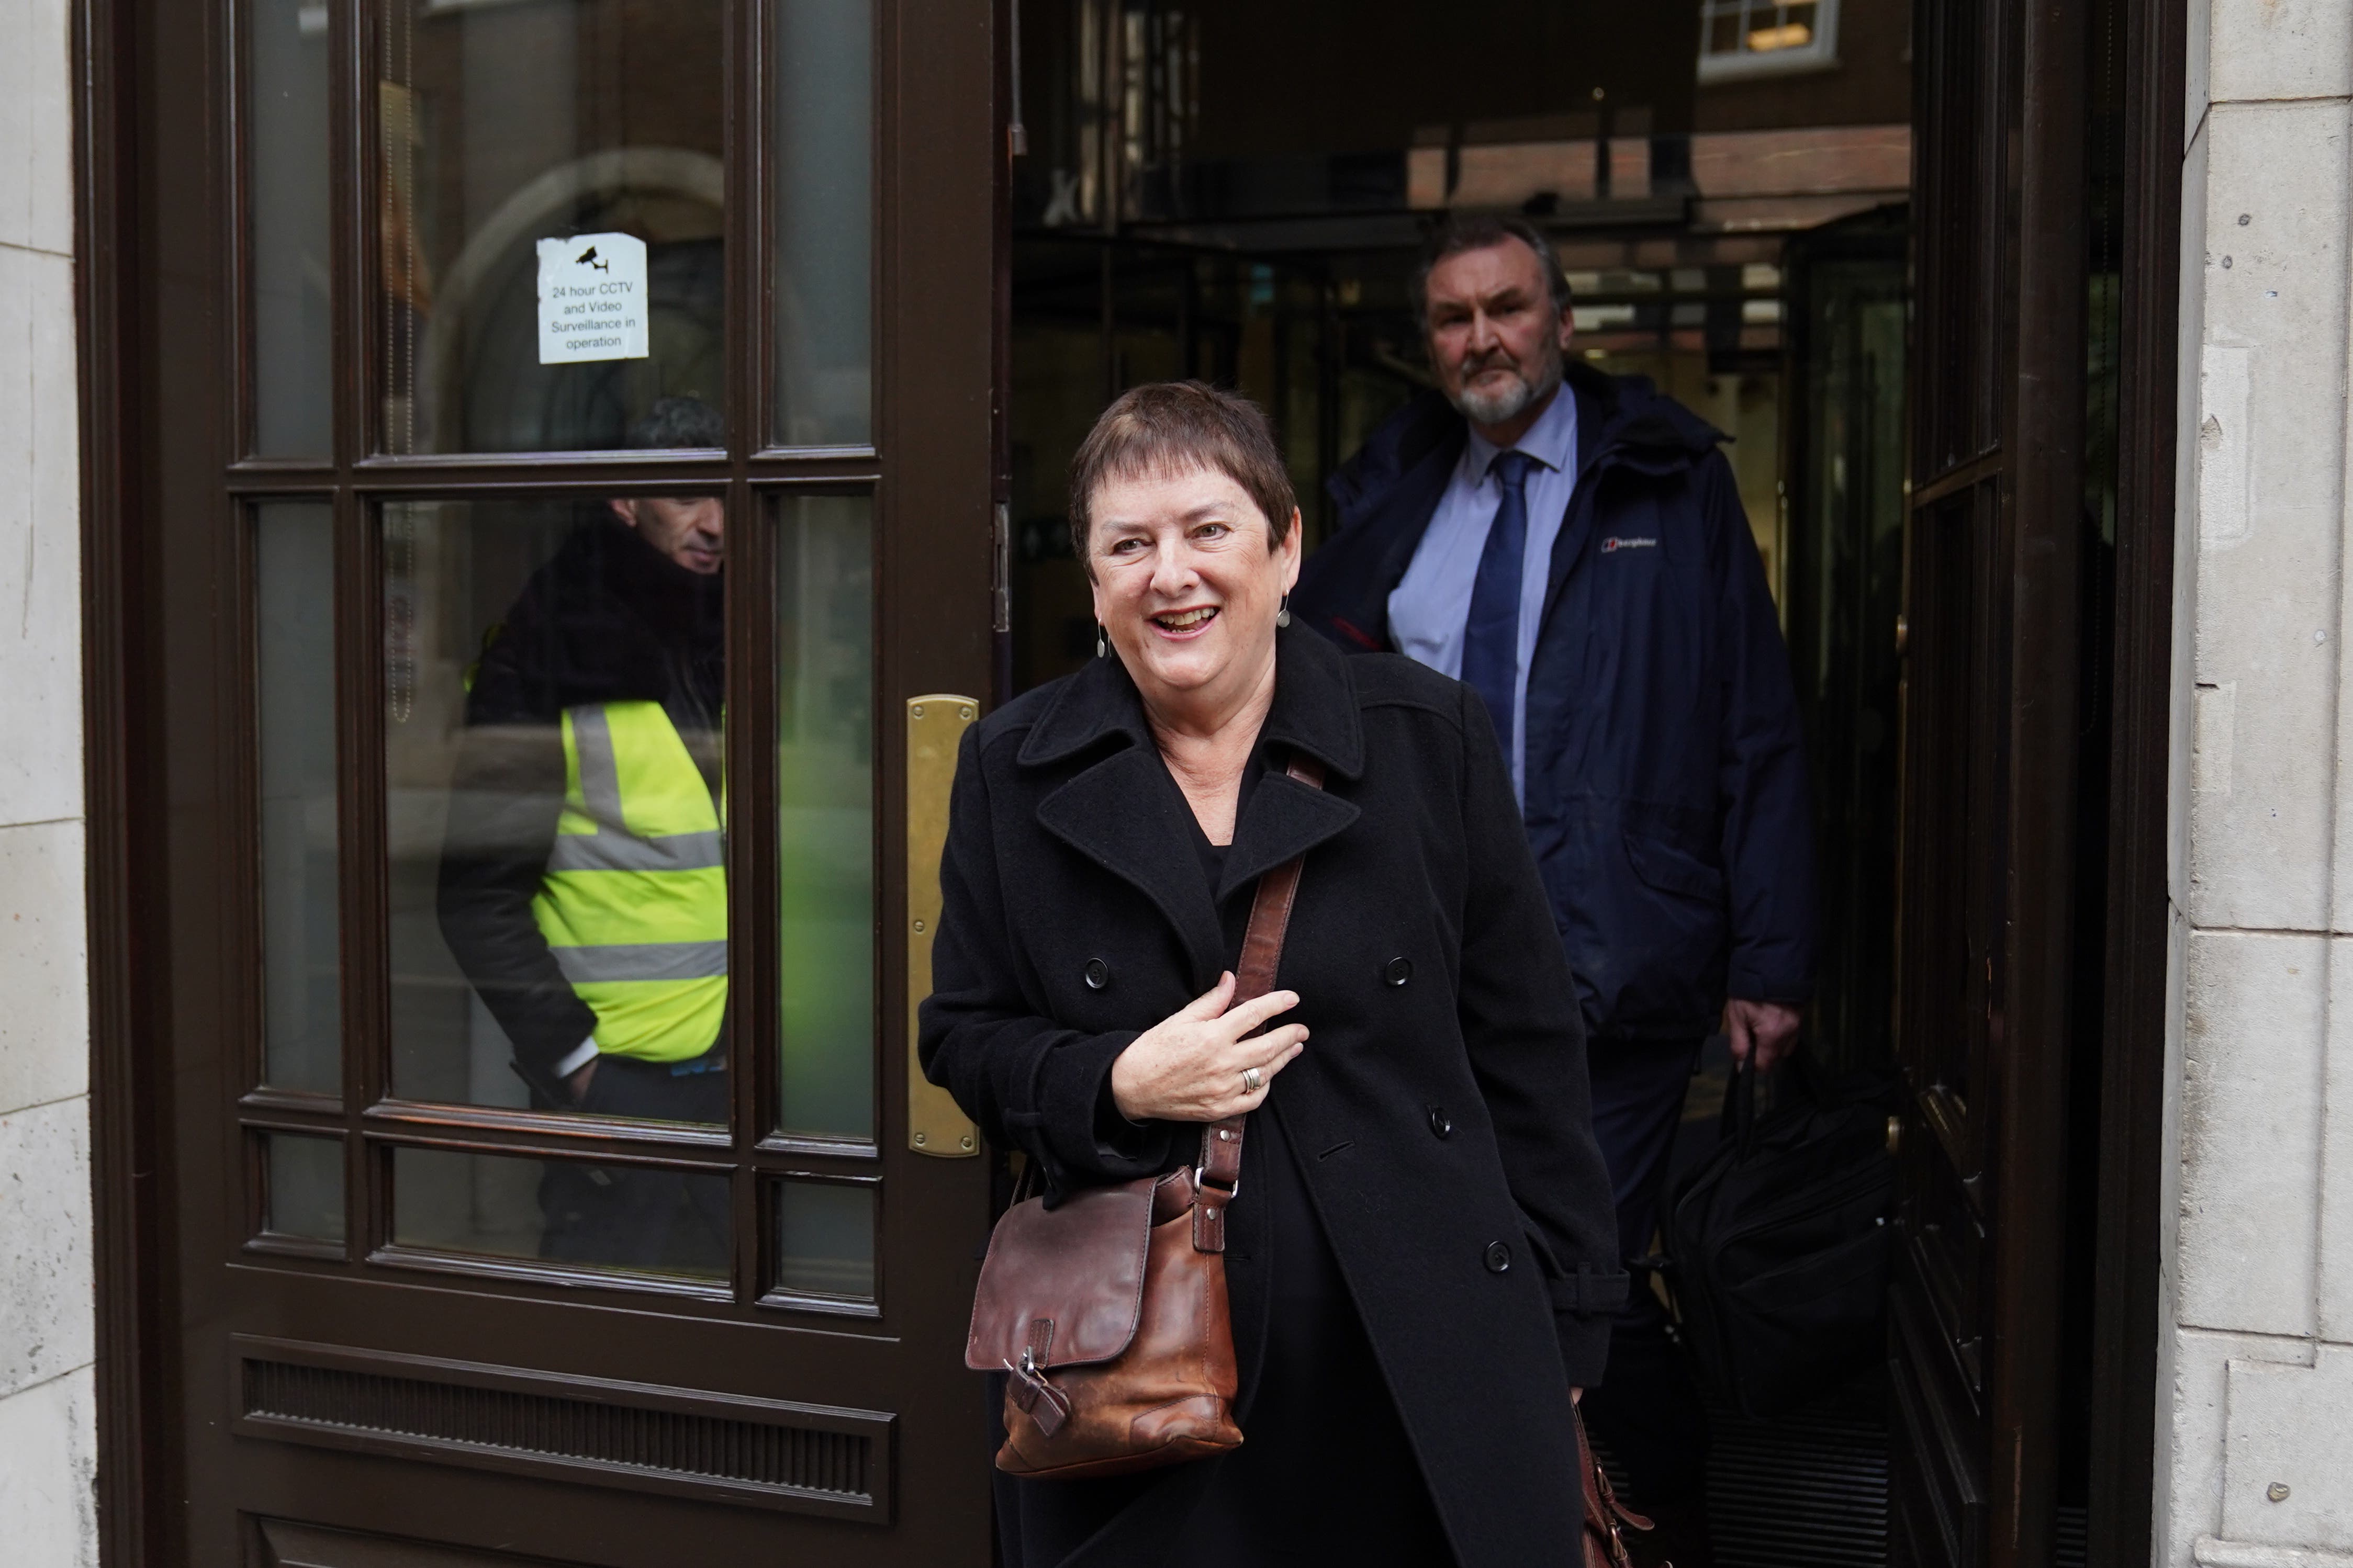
[[935, 724]]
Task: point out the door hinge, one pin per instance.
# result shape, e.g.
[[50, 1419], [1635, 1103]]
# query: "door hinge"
[[1000, 592]]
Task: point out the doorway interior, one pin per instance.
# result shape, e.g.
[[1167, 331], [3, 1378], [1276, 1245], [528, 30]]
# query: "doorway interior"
[[1730, 188]]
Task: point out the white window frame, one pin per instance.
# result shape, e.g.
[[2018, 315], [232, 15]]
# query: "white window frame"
[[1821, 53]]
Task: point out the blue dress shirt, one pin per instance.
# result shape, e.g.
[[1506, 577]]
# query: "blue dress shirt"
[[1431, 602]]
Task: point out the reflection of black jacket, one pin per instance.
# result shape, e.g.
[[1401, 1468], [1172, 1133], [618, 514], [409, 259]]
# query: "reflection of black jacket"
[[1438, 1114], [607, 619], [1666, 795]]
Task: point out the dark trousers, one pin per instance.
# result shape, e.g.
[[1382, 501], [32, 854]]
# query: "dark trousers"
[[628, 1216], [1647, 1409]]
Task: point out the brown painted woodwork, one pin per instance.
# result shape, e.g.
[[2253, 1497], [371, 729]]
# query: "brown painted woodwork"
[[303, 1402], [2151, 40], [1990, 760]]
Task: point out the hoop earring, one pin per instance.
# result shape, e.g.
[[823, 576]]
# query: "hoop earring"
[[1282, 612], [1103, 641]]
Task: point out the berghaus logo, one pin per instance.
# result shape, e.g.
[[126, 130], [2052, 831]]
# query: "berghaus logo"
[[1616, 542]]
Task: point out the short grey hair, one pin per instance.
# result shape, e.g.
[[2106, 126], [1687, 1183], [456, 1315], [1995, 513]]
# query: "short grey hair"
[[1457, 232], [676, 423], [1169, 428]]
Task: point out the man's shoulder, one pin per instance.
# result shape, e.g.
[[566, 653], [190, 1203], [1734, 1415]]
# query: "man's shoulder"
[[1427, 429], [1641, 420]]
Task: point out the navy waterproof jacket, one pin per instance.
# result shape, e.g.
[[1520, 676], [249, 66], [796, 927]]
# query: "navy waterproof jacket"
[[1666, 792]]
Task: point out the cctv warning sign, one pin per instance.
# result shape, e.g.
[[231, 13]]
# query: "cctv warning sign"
[[592, 298]]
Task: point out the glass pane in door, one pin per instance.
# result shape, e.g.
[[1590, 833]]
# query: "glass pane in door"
[[286, 178], [825, 1239], [823, 231], [824, 814], [294, 632], [635, 1218], [305, 1190], [549, 204], [555, 676]]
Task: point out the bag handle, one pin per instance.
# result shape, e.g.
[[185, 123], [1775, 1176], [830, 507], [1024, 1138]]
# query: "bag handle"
[[1220, 1172], [1738, 1125]]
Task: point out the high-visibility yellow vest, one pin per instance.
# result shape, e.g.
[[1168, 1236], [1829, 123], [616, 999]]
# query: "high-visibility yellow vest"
[[634, 903]]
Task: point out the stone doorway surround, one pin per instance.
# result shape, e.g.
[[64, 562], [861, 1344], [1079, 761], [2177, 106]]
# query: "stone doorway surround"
[[48, 1319], [2255, 1457]]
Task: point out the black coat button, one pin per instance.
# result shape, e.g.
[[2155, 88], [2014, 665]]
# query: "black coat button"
[[1398, 971], [1440, 1125], [1098, 974], [1499, 1258]]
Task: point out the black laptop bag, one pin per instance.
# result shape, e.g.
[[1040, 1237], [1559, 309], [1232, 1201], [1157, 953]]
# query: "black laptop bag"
[[1779, 1246]]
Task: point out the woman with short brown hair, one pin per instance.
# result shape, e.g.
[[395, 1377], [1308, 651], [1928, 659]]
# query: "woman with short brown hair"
[[1421, 1253]]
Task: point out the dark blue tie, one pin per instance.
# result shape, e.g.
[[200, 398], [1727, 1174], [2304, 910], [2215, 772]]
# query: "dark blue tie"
[[1490, 638]]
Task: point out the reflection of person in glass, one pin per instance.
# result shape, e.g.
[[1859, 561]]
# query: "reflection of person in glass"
[[584, 888]]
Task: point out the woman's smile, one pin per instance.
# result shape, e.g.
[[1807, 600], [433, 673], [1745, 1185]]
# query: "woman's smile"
[[1180, 624]]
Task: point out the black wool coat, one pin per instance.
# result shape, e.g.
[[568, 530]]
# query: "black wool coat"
[[1440, 1112]]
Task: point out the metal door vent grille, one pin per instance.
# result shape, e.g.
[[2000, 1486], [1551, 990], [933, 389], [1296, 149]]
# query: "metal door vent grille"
[[1806, 1489], [674, 1440], [1809, 1490]]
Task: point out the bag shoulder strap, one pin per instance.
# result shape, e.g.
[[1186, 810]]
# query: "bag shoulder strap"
[[1220, 1169]]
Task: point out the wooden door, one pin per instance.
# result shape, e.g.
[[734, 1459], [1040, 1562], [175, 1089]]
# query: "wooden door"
[[1989, 783], [452, 325]]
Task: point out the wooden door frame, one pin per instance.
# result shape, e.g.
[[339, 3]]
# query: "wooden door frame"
[[2132, 1152], [2045, 782], [137, 1372], [118, 69], [136, 1294]]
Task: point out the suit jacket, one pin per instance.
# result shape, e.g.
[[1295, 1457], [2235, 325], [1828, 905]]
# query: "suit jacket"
[[1440, 1112], [1666, 797]]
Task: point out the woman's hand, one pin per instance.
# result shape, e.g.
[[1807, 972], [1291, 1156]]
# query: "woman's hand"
[[1188, 1066]]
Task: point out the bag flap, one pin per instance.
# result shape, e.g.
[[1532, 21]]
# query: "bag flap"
[[1066, 1283]]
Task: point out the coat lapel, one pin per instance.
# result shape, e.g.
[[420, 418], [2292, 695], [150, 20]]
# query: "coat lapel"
[[1387, 495], [1412, 505], [1315, 713], [1122, 812]]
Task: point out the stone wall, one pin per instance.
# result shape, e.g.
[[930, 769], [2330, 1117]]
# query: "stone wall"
[[48, 1447], [2255, 1445]]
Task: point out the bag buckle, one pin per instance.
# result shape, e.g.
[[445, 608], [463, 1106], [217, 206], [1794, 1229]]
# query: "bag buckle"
[[1210, 1201], [1030, 1389]]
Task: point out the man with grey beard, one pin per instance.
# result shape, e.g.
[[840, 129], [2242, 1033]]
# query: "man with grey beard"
[[1572, 546]]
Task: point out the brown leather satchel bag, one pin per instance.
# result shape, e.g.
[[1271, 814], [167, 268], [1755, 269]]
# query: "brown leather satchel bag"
[[1108, 1314], [1606, 1519]]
